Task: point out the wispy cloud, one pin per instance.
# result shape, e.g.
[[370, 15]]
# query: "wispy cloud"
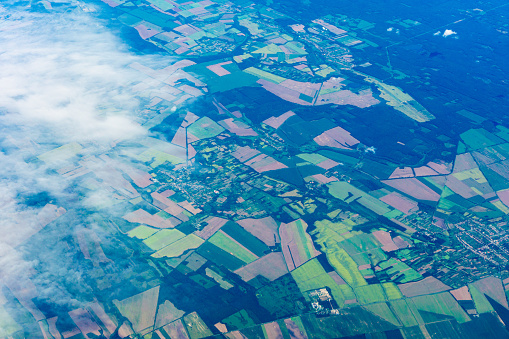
[[63, 79], [66, 75]]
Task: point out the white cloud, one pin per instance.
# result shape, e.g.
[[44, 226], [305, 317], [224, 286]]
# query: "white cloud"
[[448, 32], [67, 76], [63, 78]]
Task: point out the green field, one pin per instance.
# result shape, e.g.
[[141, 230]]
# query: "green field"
[[406, 312], [479, 138], [399, 271], [141, 232], [312, 276], [383, 311], [238, 320], [163, 238], [140, 309], [7, 325], [196, 327], [441, 303], [158, 158], [482, 304], [227, 244], [392, 291], [245, 238], [219, 256], [264, 75], [370, 294], [177, 248], [205, 128], [61, 153], [231, 81]]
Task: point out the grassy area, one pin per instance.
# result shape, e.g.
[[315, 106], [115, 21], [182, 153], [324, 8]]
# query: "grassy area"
[[226, 243], [196, 327], [219, 256], [177, 248], [61, 153], [163, 238], [205, 128], [141, 232], [383, 311], [370, 294], [312, 276], [441, 303], [245, 238]]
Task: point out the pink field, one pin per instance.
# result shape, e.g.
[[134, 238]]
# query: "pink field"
[[85, 322], [146, 32], [256, 160], [263, 163], [299, 28], [307, 88], [332, 28], [385, 239], [264, 229], [218, 68], [441, 167], [275, 122], [191, 151], [327, 164], [103, 317], [493, 288], [237, 127], [323, 179], [189, 207], [271, 266], [176, 330], [362, 99], [413, 188], [336, 137], [245, 153], [424, 171], [461, 293], [428, 285], [179, 138], [213, 224], [141, 216], [294, 246], [283, 92], [400, 203], [235, 335], [166, 204], [405, 172], [459, 187], [140, 178], [463, 162], [273, 331], [504, 196], [189, 119], [52, 326], [400, 242], [294, 330]]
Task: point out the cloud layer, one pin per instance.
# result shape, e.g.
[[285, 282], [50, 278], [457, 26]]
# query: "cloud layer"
[[65, 75], [63, 79]]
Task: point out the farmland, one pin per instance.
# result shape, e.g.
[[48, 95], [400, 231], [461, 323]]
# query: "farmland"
[[244, 169]]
